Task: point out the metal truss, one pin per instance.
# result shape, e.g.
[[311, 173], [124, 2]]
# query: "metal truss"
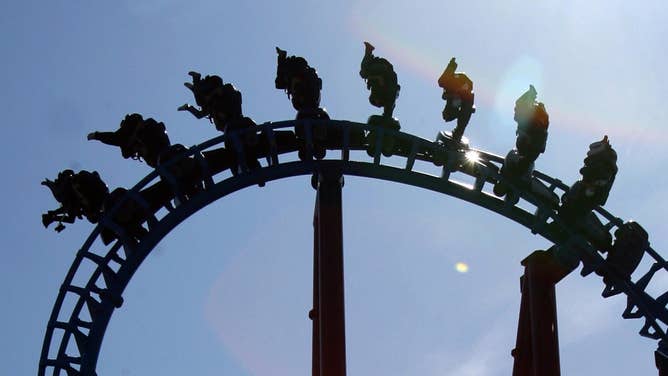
[[94, 285]]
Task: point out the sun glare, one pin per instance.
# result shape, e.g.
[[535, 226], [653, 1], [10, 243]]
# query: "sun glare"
[[472, 156], [461, 267]]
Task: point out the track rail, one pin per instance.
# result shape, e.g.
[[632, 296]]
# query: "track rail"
[[84, 305]]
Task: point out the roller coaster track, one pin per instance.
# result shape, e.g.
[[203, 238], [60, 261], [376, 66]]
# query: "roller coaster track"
[[87, 300]]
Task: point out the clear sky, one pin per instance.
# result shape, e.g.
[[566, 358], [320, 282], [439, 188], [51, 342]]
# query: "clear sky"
[[227, 293]]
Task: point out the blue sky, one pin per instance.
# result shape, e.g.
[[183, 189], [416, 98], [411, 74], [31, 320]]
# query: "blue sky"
[[229, 290]]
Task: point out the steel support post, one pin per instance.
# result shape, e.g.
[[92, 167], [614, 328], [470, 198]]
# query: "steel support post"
[[315, 342], [661, 358], [536, 351], [329, 339]]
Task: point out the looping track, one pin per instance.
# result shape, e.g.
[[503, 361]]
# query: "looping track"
[[87, 300]]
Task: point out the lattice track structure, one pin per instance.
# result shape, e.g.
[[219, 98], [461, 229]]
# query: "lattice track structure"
[[75, 331]]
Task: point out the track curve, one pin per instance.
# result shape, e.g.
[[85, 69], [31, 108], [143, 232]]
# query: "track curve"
[[75, 331]]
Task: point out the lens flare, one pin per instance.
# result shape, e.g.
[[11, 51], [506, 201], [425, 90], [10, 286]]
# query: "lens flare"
[[461, 267], [472, 156]]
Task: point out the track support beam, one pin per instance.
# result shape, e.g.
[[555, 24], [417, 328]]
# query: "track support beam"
[[536, 351], [661, 358], [328, 314]]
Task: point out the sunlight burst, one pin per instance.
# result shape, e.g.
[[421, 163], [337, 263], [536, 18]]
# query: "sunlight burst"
[[472, 156]]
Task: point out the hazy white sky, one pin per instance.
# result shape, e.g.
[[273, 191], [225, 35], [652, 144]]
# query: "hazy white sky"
[[228, 292]]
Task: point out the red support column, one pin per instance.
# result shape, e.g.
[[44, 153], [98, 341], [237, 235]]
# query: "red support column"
[[536, 351], [522, 351], [329, 316], [315, 343], [661, 358]]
